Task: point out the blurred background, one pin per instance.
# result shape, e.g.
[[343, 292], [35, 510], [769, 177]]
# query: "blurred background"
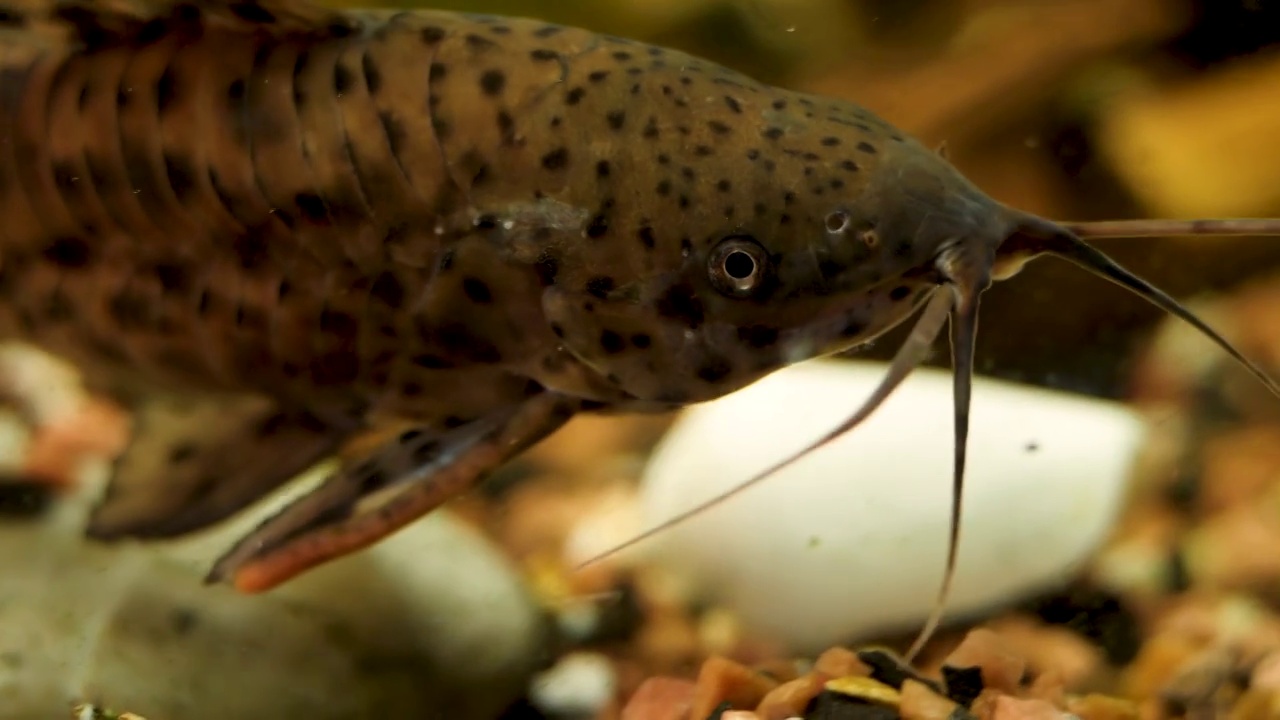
[[1072, 109]]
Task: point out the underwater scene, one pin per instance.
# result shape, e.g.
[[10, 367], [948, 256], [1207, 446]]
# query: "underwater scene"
[[640, 359]]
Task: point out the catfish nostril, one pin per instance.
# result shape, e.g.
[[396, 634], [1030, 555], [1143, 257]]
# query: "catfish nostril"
[[837, 222]]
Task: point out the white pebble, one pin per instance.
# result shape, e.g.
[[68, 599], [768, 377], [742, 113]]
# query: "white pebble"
[[580, 684], [850, 541]]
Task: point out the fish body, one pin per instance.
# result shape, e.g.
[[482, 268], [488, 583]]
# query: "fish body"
[[270, 227]]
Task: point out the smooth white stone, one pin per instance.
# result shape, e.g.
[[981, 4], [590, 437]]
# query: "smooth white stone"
[[850, 541]]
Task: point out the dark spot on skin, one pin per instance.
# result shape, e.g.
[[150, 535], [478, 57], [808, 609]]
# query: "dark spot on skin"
[[336, 368], [174, 279], [703, 150], [446, 260], [252, 12], [68, 252], [372, 76], [556, 159], [714, 371], [388, 290], [853, 329], [547, 31], [431, 362], [867, 147], [492, 82], [251, 250], [342, 79], [506, 127], [477, 290], [311, 205], [646, 236], [681, 302], [602, 169], [181, 176], [641, 341], [724, 186], [437, 71], [830, 268], [830, 141], [779, 104], [181, 453], [426, 452], [394, 130], [370, 477], [718, 127], [479, 42], [165, 87], [598, 75], [598, 227], [758, 336], [663, 188], [10, 17], [557, 329], [546, 267], [899, 293], [64, 176], [611, 342], [773, 133], [544, 55], [339, 324], [616, 119], [574, 96], [432, 34], [733, 103], [600, 286], [458, 339], [235, 91]]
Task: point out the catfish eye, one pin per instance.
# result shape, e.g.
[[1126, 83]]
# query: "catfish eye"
[[737, 266]]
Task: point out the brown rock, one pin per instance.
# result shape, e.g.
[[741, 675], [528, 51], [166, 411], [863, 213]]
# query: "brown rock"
[[1102, 707], [660, 698], [790, 698], [1012, 708], [919, 702], [983, 648], [840, 662], [721, 680]]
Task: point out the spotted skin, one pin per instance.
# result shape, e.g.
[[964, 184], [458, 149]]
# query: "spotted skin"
[[272, 227]]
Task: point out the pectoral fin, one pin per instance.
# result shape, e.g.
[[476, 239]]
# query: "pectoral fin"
[[398, 482], [194, 462]]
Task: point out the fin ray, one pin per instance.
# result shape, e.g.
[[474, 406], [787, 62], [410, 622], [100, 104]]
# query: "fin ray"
[[194, 462]]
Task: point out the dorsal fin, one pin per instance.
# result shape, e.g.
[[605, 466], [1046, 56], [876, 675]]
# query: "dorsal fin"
[[98, 24]]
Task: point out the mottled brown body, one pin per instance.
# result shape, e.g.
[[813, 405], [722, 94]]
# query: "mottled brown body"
[[326, 219], [271, 226]]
